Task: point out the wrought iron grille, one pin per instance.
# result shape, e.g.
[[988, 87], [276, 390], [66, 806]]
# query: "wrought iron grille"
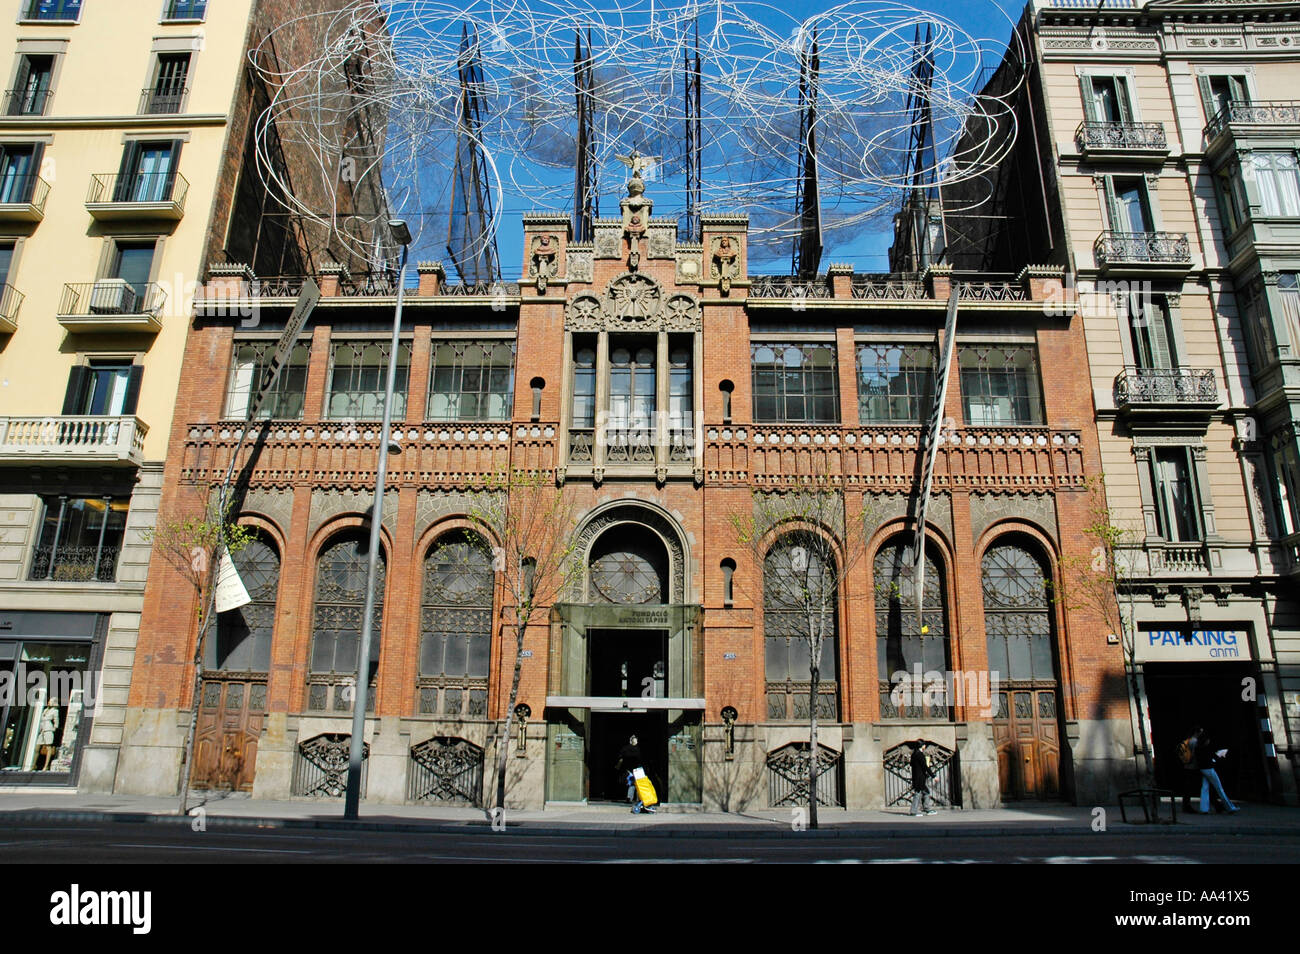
[[320, 768], [800, 592], [1117, 135], [1152, 247], [1017, 614], [902, 642], [887, 288], [788, 286], [787, 776], [944, 785], [446, 771], [992, 291], [1166, 386], [243, 639], [631, 572], [1271, 113], [455, 627]]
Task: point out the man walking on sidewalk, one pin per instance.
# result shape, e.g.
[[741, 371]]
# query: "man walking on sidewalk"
[[920, 781]]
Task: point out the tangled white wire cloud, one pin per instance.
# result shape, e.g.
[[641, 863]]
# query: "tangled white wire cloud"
[[379, 105]]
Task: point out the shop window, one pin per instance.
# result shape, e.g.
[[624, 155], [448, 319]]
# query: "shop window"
[[895, 383], [800, 593], [243, 636], [1177, 503], [284, 401], [337, 615], [80, 539], [472, 381], [795, 383], [456, 627], [43, 723], [358, 377], [1000, 385]]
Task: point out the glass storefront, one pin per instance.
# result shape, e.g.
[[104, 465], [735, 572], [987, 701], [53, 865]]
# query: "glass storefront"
[[48, 690]]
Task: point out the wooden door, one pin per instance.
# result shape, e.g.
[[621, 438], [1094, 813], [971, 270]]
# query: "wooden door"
[[229, 726], [1027, 737]]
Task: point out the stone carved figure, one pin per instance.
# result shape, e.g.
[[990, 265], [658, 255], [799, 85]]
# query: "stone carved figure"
[[725, 261], [544, 254]]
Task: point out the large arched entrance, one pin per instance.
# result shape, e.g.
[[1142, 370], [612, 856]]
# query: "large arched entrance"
[[628, 664]]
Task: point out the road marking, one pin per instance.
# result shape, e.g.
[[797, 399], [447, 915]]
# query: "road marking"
[[265, 851]]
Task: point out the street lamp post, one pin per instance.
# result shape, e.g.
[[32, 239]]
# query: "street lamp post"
[[352, 796]]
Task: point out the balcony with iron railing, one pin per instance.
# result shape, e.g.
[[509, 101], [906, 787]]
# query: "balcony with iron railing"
[[52, 11], [1258, 115], [11, 299], [139, 195], [73, 439], [161, 102], [1139, 252], [112, 305], [1166, 389], [1121, 140], [26, 102], [22, 198]]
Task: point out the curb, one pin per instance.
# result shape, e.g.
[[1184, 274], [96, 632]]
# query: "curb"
[[578, 829]]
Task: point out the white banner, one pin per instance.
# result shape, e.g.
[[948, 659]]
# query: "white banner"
[[230, 588], [1201, 645]]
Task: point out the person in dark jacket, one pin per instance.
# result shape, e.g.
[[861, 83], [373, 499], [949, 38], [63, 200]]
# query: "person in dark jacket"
[[629, 758], [1205, 761], [920, 781]]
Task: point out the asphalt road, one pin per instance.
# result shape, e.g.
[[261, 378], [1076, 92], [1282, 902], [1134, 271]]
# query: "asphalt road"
[[137, 843]]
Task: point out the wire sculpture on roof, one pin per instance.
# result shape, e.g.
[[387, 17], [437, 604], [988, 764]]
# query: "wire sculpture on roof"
[[453, 115]]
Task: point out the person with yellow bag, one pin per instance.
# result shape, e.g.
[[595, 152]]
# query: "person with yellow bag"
[[640, 790]]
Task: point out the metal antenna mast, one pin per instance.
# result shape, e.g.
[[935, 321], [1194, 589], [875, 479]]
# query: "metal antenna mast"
[[471, 241], [694, 139], [586, 204], [808, 245]]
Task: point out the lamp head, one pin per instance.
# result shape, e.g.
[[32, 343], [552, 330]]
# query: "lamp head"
[[401, 234]]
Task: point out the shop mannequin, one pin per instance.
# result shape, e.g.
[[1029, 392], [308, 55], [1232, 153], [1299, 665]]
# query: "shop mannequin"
[[49, 727]]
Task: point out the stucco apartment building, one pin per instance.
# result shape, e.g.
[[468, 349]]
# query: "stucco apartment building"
[[1157, 162], [660, 385], [124, 144]]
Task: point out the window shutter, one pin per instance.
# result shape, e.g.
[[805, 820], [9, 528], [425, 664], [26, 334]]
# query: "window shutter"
[[1089, 99], [1123, 96], [133, 379], [1162, 352], [126, 172], [19, 101], [1207, 97], [1112, 206], [76, 388], [1239, 91], [173, 162]]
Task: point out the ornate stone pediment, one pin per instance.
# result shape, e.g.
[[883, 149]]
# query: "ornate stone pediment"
[[632, 302]]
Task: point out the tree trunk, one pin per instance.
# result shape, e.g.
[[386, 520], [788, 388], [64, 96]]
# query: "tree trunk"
[[187, 759], [813, 751], [504, 751]]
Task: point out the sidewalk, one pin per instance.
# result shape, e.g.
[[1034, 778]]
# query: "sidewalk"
[[26, 807]]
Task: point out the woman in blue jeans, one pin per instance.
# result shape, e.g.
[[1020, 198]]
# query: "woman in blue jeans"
[[1205, 759]]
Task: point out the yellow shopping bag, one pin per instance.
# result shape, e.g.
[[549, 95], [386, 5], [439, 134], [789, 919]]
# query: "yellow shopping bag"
[[645, 789]]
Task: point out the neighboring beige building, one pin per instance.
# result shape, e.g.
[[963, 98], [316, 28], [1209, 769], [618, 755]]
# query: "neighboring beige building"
[[122, 140], [1136, 121]]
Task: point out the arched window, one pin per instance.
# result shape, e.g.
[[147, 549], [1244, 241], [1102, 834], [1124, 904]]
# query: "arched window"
[[800, 596], [336, 622], [456, 627], [629, 564], [904, 642], [1018, 621], [243, 637]]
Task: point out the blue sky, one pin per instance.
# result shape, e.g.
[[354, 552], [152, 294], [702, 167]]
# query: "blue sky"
[[865, 247]]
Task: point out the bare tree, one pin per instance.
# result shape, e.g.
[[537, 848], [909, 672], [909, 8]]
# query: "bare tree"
[[193, 542], [530, 523], [802, 547], [1101, 584]]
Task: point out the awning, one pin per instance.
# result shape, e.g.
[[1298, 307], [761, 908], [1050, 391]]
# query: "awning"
[[621, 703]]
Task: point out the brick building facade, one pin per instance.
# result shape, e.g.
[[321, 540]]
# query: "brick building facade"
[[663, 386]]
